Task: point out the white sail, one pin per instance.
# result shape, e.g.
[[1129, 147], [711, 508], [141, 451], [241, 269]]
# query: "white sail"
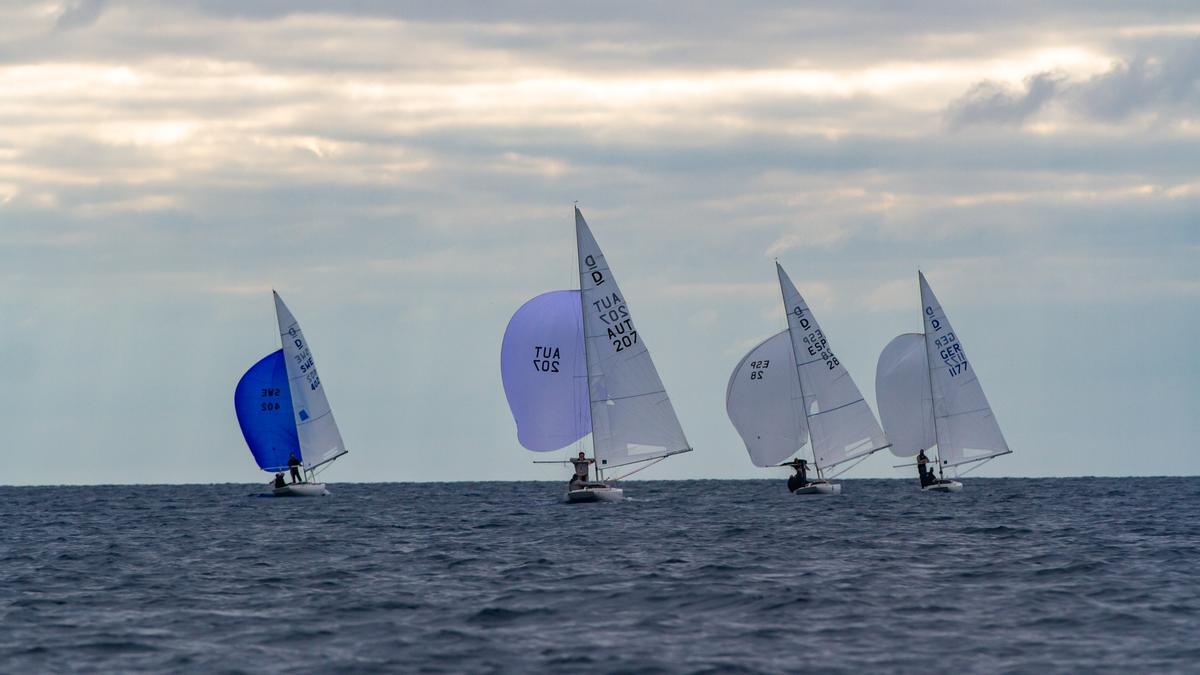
[[763, 401], [632, 416], [966, 428], [320, 440], [902, 393], [841, 425]]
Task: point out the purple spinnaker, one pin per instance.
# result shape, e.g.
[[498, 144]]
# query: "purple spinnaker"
[[544, 368]]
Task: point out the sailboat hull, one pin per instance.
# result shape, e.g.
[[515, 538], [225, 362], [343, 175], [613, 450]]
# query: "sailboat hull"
[[301, 490], [598, 493], [943, 486], [819, 487]]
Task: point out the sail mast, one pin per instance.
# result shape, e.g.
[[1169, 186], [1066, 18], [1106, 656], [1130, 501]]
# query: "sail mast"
[[586, 356], [796, 370], [929, 378]]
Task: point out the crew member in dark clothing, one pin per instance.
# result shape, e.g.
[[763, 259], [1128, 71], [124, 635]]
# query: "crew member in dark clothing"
[[923, 469], [580, 478], [800, 478], [294, 465], [279, 480]]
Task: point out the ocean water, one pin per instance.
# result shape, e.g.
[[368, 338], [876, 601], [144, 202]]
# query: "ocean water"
[[686, 576]]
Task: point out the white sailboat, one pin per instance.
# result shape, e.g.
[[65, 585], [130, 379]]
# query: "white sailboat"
[[573, 363], [282, 410], [929, 396], [792, 389]]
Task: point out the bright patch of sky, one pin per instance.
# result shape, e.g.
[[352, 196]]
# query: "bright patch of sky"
[[403, 174]]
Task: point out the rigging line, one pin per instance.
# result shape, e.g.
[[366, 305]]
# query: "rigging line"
[[981, 463], [314, 419], [649, 459], [860, 461], [622, 398], [979, 459], [965, 412], [643, 468], [847, 405], [866, 453]]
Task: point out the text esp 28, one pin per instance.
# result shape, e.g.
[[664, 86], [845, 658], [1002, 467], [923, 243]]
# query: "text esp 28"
[[757, 368], [814, 339], [948, 346], [611, 311], [304, 359]]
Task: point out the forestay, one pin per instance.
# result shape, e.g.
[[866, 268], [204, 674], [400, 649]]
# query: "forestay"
[[264, 412], [544, 370], [902, 392], [320, 440], [632, 416], [966, 428], [840, 423], [763, 401]]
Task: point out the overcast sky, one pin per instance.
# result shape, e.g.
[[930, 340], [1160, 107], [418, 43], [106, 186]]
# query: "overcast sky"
[[403, 173]]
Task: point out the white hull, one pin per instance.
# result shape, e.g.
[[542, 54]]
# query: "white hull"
[[300, 490], [819, 487], [596, 492], [943, 486]]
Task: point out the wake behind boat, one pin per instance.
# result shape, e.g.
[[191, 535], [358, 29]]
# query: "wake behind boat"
[[573, 363], [284, 415], [791, 390], [930, 397]]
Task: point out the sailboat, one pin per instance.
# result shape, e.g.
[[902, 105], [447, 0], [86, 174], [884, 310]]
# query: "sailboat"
[[929, 395], [283, 412], [791, 389], [573, 363]]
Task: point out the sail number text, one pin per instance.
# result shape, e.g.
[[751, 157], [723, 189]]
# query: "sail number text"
[[949, 348], [757, 368], [270, 392], [304, 359], [815, 340], [546, 359], [611, 310]]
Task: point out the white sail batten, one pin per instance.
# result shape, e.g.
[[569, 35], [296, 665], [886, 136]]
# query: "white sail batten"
[[965, 427], [320, 440], [764, 403], [841, 425], [632, 416], [902, 393]]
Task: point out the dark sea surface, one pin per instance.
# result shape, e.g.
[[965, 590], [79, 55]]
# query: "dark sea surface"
[[1010, 575]]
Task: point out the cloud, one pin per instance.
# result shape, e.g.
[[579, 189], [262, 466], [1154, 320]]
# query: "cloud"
[[1164, 86], [79, 14], [995, 103]]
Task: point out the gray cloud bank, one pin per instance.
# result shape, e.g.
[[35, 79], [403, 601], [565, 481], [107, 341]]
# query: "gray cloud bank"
[[1165, 86]]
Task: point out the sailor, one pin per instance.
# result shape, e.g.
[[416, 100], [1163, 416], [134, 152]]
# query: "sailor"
[[294, 465], [800, 479], [923, 469], [581, 471], [279, 480]]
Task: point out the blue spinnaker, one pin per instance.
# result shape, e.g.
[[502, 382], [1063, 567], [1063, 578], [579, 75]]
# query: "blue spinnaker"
[[544, 368], [264, 411]]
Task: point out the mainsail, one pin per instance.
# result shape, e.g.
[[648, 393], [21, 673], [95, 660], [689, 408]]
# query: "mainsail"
[[840, 423], [632, 416], [320, 440], [965, 426]]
